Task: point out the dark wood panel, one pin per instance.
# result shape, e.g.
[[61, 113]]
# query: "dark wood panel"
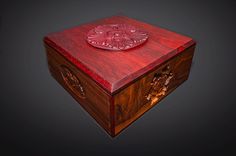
[[132, 102], [116, 112], [94, 99]]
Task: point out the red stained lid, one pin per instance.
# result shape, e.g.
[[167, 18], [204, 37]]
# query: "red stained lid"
[[114, 69]]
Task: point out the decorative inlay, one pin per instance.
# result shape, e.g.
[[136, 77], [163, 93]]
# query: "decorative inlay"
[[72, 81], [159, 85], [116, 36]]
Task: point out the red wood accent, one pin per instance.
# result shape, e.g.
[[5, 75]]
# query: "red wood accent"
[[114, 70]]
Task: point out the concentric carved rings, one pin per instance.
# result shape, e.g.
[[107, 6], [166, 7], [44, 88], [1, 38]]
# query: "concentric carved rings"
[[116, 36], [72, 81]]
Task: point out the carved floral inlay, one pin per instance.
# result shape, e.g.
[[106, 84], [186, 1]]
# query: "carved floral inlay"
[[72, 81], [159, 85], [116, 36]]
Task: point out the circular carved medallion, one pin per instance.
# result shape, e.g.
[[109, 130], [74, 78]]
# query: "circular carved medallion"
[[116, 36], [72, 81]]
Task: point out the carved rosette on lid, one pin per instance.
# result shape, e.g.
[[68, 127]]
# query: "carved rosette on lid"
[[116, 36]]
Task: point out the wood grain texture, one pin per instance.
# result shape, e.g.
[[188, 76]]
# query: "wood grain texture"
[[115, 112], [116, 88], [95, 101], [116, 70], [131, 102]]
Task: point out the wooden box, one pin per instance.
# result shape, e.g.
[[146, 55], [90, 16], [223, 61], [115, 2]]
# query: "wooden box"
[[117, 87]]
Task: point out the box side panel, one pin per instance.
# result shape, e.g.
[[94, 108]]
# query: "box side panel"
[[89, 95], [148, 90]]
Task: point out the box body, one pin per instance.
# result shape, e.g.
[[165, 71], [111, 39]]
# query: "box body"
[[116, 88]]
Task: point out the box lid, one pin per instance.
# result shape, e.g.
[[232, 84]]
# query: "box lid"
[[114, 69]]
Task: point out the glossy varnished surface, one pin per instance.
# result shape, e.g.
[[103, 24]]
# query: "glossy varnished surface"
[[115, 112], [132, 102], [118, 87], [114, 70], [93, 98]]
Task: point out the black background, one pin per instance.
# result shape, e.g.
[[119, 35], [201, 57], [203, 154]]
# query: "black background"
[[38, 117]]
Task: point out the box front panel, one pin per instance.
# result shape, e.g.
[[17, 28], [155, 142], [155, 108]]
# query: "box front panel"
[[147, 91], [89, 95]]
